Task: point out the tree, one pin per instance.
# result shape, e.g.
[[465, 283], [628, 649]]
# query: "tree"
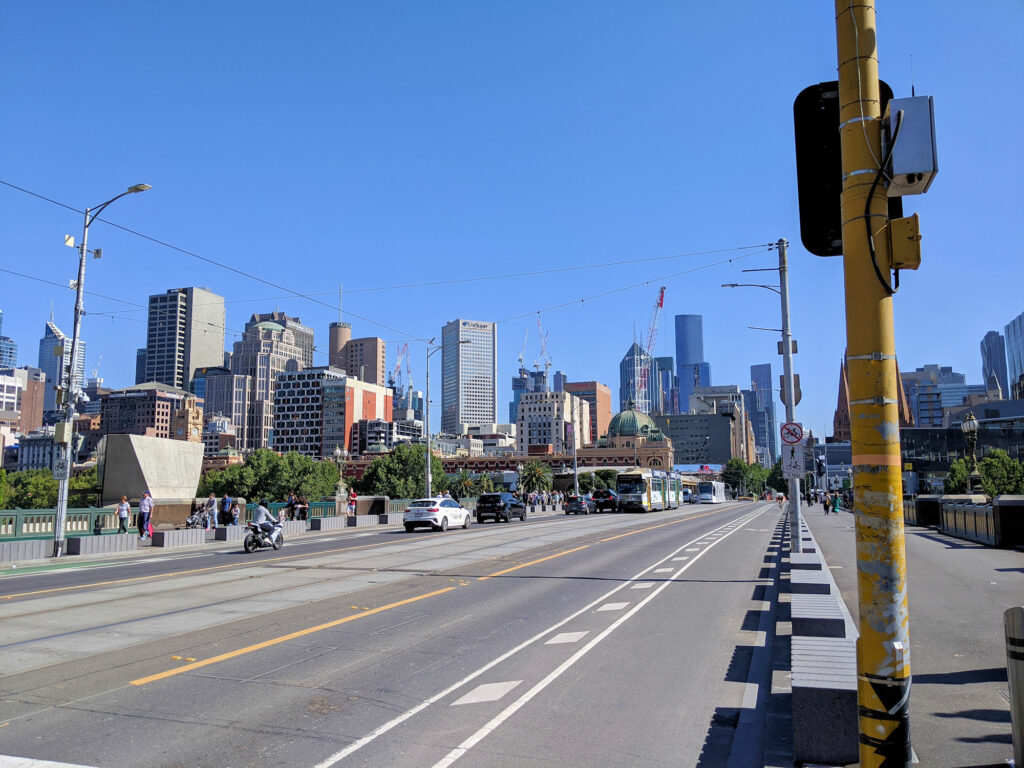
[[588, 482], [401, 474], [267, 475], [33, 489], [463, 484], [608, 477], [956, 480], [735, 474], [83, 489], [484, 484], [536, 476], [757, 478], [1000, 474], [5, 490], [775, 480]]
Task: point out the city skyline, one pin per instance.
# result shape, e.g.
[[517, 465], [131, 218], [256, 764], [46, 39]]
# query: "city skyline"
[[422, 175]]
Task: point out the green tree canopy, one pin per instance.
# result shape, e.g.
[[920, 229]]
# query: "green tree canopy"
[[33, 489], [588, 482], [1000, 474], [608, 477], [401, 474], [267, 475], [536, 476], [775, 480]]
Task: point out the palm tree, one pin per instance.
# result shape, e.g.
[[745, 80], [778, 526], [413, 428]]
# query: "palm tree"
[[464, 484], [536, 476]]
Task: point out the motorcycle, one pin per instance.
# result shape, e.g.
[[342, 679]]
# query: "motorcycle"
[[256, 537]]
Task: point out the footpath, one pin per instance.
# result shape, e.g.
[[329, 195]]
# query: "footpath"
[[958, 590]]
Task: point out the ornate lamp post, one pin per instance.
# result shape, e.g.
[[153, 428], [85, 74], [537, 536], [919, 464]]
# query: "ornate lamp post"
[[339, 458], [969, 426]]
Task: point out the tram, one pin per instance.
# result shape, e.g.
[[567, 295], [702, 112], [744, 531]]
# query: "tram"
[[645, 490], [710, 492]]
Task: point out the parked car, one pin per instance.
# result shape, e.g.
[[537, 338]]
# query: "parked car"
[[437, 514], [605, 501], [500, 507], [579, 505]]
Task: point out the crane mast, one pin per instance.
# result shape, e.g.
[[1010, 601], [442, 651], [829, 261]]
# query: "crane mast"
[[644, 403]]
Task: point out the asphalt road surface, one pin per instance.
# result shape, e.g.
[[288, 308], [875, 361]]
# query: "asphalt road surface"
[[604, 640]]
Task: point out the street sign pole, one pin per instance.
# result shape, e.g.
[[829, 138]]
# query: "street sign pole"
[[789, 391]]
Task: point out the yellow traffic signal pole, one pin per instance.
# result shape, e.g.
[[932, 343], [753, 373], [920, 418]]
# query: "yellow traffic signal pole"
[[883, 650]]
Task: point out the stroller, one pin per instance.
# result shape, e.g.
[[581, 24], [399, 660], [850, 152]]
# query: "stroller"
[[197, 519]]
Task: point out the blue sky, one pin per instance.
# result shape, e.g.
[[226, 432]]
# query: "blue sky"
[[380, 144]]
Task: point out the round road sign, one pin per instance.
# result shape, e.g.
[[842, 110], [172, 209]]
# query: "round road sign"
[[792, 433]]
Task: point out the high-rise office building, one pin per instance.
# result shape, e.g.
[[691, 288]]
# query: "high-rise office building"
[[762, 416], [31, 393], [8, 349], [691, 368], [557, 419], [185, 331], [1014, 335], [668, 386], [469, 374], [54, 359], [932, 388], [598, 397], [993, 361], [362, 358], [526, 381], [633, 394], [266, 349], [303, 334]]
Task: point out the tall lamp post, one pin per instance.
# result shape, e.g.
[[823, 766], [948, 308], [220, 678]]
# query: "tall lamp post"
[[339, 458], [431, 349], [789, 388], [68, 391], [969, 426]]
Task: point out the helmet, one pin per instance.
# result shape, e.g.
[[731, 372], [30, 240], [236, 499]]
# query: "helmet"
[[264, 503]]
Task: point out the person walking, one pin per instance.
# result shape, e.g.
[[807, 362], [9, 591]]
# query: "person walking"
[[352, 499], [124, 509], [210, 511], [827, 502], [145, 510], [835, 504]]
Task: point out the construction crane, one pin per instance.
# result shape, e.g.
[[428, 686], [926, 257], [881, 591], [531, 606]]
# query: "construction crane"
[[395, 379], [522, 352], [643, 395], [543, 349]]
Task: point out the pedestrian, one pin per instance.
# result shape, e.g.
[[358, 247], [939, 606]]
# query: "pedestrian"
[[145, 511], [234, 512], [210, 511], [302, 507], [290, 506], [835, 505], [827, 503], [352, 499], [123, 511], [225, 508]]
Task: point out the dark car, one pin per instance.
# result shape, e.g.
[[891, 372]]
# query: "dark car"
[[499, 507], [605, 501], [579, 505]]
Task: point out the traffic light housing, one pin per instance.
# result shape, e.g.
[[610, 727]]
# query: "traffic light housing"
[[819, 167]]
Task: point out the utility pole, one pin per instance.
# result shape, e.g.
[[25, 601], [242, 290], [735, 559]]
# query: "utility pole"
[[426, 417], [789, 385], [883, 649]]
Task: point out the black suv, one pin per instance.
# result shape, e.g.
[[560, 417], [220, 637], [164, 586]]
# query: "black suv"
[[605, 501], [500, 506]]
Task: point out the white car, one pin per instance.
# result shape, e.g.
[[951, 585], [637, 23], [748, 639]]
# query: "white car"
[[438, 514]]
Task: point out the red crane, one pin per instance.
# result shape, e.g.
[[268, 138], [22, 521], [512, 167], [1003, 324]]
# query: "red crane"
[[642, 395]]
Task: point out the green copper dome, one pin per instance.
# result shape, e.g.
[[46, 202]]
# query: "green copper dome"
[[630, 423]]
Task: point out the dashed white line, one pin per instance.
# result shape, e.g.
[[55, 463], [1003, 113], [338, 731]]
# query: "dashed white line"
[[487, 692], [643, 585], [664, 570], [612, 606], [567, 637]]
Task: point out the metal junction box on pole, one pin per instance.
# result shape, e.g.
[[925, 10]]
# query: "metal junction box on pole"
[[914, 160]]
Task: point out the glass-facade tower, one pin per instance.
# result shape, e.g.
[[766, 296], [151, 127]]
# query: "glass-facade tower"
[[691, 368], [469, 374]]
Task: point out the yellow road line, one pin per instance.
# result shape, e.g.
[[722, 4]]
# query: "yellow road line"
[[283, 638], [191, 571], [532, 562]]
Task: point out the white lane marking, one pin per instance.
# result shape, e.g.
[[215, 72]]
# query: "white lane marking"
[[10, 761], [487, 692], [515, 706], [643, 585], [612, 606], [664, 570], [678, 559], [693, 549], [380, 730], [567, 637]]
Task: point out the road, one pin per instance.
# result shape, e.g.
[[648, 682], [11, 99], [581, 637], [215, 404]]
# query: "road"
[[604, 640]]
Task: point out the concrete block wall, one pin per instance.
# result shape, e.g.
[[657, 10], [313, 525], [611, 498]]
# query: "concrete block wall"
[[94, 545]]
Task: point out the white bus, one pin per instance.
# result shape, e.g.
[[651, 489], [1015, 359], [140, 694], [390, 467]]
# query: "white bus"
[[710, 492]]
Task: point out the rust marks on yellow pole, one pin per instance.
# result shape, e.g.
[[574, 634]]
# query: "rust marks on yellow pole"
[[883, 660]]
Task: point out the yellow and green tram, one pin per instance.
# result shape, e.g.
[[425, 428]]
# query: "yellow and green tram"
[[645, 490]]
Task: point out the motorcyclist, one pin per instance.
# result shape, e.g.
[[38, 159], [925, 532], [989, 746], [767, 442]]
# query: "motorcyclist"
[[262, 517]]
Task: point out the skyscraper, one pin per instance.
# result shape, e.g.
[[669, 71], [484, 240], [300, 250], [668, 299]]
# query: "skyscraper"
[[8, 349], [54, 358], [668, 386], [185, 332], [691, 368], [631, 393], [469, 374], [1014, 334], [993, 361], [303, 334], [526, 381], [762, 384], [361, 358]]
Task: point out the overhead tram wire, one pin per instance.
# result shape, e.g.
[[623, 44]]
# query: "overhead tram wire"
[[216, 263]]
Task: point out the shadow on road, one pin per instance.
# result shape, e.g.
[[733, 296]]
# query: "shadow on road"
[[718, 742], [993, 675], [986, 715]]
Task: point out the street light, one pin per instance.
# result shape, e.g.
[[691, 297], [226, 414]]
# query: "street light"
[[431, 349], [63, 432], [340, 457], [969, 426], [789, 389]]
